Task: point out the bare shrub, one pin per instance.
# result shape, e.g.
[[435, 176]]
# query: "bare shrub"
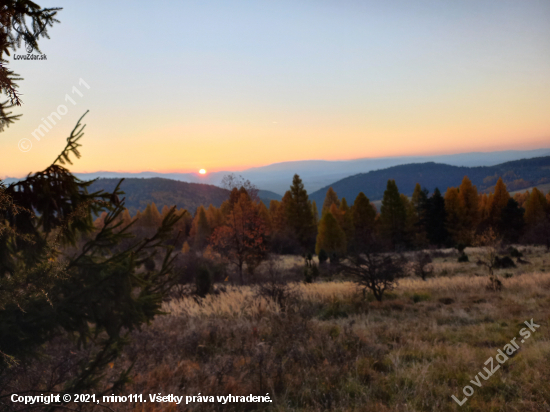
[[421, 265], [274, 285]]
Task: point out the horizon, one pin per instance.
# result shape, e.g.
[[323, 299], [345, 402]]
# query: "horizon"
[[208, 172]]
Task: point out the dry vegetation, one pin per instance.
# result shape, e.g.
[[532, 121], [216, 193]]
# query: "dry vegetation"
[[329, 348]]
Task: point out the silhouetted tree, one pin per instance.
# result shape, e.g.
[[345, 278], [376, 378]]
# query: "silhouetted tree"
[[364, 216], [300, 216], [393, 215], [435, 218]]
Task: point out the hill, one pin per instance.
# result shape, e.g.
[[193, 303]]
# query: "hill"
[[518, 175], [317, 174], [140, 192]]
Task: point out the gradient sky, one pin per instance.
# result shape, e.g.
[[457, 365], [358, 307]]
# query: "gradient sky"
[[226, 85]]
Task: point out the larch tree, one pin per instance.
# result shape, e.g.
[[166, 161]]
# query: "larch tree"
[[330, 198], [497, 203], [535, 208], [151, 217], [346, 222], [315, 212], [243, 238], [200, 231], [469, 210], [453, 213], [330, 236]]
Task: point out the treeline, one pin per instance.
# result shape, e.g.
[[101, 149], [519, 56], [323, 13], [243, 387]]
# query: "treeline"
[[244, 229]]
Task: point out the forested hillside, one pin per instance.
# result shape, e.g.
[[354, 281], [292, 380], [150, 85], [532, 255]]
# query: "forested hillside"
[[164, 192], [517, 175]]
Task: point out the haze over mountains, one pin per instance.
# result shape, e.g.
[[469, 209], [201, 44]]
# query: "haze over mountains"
[[317, 174]]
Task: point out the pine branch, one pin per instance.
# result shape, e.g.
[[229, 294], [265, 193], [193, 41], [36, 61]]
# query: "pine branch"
[[72, 143]]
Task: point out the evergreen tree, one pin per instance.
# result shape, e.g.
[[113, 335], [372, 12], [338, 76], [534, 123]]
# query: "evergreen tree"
[[53, 288], [22, 23], [393, 215], [435, 219], [330, 198], [364, 216], [300, 216], [511, 223], [411, 220], [420, 202], [330, 237]]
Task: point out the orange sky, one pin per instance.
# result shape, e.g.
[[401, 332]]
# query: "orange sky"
[[232, 87]]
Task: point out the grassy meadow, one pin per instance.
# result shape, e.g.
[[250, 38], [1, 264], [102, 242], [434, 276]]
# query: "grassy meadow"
[[328, 347]]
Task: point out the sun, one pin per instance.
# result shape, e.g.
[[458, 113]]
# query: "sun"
[[202, 172]]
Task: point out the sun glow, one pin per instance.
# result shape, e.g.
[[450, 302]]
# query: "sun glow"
[[202, 172]]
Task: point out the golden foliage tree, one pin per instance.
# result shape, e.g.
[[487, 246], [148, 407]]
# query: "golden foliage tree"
[[330, 198], [243, 238], [535, 208], [330, 236]]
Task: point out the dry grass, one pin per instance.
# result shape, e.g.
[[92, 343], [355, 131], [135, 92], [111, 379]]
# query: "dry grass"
[[332, 349]]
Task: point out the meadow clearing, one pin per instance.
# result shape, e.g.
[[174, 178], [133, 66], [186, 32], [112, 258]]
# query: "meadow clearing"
[[327, 347]]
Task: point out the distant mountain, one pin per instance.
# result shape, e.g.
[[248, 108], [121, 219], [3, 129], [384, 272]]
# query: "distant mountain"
[[140, 192], [517, 175], [317, 174]]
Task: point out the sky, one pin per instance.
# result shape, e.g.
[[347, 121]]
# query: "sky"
[[176, 86]]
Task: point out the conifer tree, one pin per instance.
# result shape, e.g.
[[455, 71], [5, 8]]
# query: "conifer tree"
[[22, 24], [214, 216], [393, 215], [363, 220], [411, 220], [52, 288], [200, 230], [420, 202], [436, 218], [497, 202], [330, 237], [300, 216], [315, 212], [469, 210], [453, 212], [511, 223], [535, 208], [151, 216], [346, 222], [330, 198]]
